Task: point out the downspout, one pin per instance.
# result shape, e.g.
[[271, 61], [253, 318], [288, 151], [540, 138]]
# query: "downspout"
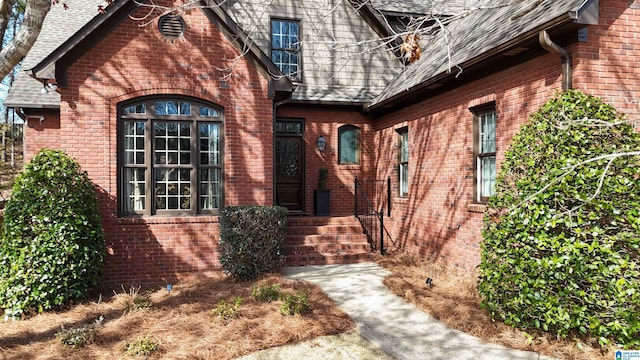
[[567, 70]]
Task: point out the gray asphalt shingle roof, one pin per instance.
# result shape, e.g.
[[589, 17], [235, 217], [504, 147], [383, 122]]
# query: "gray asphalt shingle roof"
[[59, 25], [436, 7], [474, 34]]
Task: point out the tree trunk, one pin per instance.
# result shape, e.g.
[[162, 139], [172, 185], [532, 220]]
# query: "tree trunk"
[[22, 42]]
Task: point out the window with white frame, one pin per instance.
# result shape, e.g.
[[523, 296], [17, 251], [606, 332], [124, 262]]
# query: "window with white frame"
[[171, 160], [349, 144], [285, 46], [403, 162], [484, 153]]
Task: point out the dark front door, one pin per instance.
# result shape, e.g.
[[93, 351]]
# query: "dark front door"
[[289, 153], [289, 171]]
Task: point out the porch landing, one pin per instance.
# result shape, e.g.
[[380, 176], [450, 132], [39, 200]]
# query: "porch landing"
[[313, 240]]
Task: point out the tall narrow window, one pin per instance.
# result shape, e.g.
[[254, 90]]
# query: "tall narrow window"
[[485, 154], [403, 167], [285, 46], [349, 144], [171, 159]]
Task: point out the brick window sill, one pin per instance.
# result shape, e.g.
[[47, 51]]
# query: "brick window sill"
[[168, 220], [477, 208]]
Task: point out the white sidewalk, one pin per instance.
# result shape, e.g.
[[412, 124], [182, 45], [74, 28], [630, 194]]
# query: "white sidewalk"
[[393, 324]]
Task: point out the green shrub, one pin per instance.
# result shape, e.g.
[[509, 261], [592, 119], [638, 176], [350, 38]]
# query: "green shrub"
[[297, 303], [79, 337], [52, 248], [265, 292], [225, 311], [140, 347], [562, 239], [251, 239]]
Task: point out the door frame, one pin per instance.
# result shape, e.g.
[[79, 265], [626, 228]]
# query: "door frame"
[[303, 159]]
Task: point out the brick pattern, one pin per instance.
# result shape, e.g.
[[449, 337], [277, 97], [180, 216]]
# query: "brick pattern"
[[326, 121], [135, 61], [438, 220]]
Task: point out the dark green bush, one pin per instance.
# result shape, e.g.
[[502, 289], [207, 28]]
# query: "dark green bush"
[[561, 238], [52, 248], [251, 239]]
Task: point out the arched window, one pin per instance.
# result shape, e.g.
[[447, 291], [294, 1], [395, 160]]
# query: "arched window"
[[349, 144], [170, 157]]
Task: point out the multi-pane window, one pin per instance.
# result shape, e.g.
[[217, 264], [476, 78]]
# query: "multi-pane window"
[[349, 144], [485, 154], [403, 162], [285, 46], [171, 157]]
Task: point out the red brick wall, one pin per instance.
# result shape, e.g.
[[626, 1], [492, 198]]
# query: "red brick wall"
[[136, 61], [325, 121], [607, 64], [439, 219]]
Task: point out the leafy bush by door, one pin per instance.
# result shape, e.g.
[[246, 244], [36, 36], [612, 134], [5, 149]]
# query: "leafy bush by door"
[[52, 248], [251, 239], [562, 234]]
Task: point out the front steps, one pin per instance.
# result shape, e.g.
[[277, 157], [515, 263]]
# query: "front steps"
[[325, 241]]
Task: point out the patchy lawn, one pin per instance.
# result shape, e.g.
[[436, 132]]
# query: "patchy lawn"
[[181, 323], [453, 299]]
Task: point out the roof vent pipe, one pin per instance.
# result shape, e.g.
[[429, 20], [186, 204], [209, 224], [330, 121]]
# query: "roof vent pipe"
[[550, 46]]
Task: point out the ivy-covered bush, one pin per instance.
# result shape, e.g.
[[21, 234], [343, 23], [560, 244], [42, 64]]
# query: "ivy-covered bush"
[[251, 239], [562, 233], [52, 248]]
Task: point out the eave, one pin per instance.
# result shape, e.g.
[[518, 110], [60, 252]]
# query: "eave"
[[491, 61], [53, 68]]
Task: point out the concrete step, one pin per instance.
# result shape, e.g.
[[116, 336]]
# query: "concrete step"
[[325, 240], [324, 229], [327, 259]]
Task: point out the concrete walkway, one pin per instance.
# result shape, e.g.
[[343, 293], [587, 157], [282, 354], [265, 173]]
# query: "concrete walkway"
[[396, 326]]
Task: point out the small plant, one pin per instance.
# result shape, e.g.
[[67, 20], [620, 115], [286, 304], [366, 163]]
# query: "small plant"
[[225, 311], [295, 303], [141, 347], [79, 337], [265, 292], [323, 175]]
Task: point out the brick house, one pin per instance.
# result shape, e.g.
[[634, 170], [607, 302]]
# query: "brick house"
[[226, 105]]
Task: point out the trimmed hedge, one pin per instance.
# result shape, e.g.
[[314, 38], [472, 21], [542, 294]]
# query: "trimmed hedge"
[[251, 239], [561, 241], [52, 248]]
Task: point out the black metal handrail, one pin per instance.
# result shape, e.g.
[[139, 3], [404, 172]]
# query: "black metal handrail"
[[370, 201]]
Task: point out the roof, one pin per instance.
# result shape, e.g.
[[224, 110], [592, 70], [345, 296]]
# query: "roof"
[[436, 7], [473, 37], [58, 26]]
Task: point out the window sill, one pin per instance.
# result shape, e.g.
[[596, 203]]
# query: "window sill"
[[142, 220], [349, 167], [401, 200], [477, 208]]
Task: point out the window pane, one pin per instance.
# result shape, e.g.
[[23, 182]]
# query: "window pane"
[[488, 175], [210, 189], [136, 109], [209, 144], [134, 189], [172, 108], [404, 179], [488, 133], [172, 189], [134, 142], [172, 143], [208, 112], [404, 151], [349, 146]]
